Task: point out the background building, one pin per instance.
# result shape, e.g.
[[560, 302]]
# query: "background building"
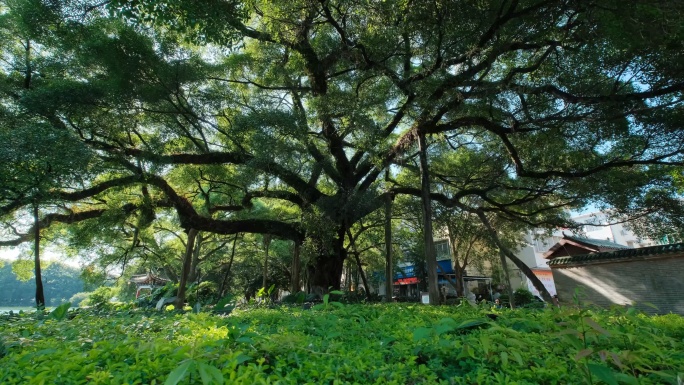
[[597, 228]]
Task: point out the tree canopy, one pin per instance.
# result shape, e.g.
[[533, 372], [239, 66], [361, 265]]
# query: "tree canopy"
[[206, 111]]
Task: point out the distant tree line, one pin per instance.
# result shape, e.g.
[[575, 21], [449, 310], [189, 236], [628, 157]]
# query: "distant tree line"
[[60, 282]]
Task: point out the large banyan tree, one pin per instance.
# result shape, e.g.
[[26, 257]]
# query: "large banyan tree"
[[520, 108]]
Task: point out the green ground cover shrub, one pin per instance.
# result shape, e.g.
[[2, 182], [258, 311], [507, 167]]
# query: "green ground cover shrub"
[[364, 344], [99, 297]]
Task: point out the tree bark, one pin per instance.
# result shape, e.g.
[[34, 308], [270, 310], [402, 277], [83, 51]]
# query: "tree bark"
[[295, 281], [40, 294], [366, 287], [357, 259], [325, 272], [460, 285], [230, 266], [458, 268], [267, 246], [196, 251], [426, 204], [185, 271], [389, 265], [507, 276], [518, 263]]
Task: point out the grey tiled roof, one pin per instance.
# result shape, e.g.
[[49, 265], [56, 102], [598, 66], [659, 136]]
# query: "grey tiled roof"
[[624, 254], [600, 243]]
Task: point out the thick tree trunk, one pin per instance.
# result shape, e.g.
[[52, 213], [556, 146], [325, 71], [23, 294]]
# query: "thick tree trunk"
[[366, 287], [460, 285], [228, 269], [326, 273], [426, 204], [518, 263], [357, 259], [40, 295], [458, 269], [295, 284], [267, 246], [507, 276], [389, 264], [185, 272], [192, 277]]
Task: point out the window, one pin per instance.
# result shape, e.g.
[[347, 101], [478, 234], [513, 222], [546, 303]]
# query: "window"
[[442, 250], [590, 228]]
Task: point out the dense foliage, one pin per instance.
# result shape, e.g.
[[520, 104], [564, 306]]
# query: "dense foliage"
[[17, 286], [133, 127], [381, 344]]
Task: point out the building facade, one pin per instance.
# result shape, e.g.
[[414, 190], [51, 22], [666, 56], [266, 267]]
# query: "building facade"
[[597, 227], [648, 278]]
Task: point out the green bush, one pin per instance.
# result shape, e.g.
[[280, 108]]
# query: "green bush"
[[150, 301], [295, 298], [100, 297], [522, 297], [364, 344], [166, 291], [205, 292], [78, 298]]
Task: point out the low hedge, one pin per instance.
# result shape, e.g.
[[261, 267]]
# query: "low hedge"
[[364, 344]]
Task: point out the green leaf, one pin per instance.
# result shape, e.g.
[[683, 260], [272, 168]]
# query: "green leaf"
[[466, 352], [216, 374], [179, 373], [443, 328], [666, 376], [241, 358], [583, 353], [204, 374], [23, 269], [568, 331], [518, 358], [504, 359], [616, 360], [448, 321], [626, 379], [470, 324], [422, 333], [221, 304], [337, 292], [60, 311], [596, 326], [210, 374], [603, 373], [485, 344], [333, 335]]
